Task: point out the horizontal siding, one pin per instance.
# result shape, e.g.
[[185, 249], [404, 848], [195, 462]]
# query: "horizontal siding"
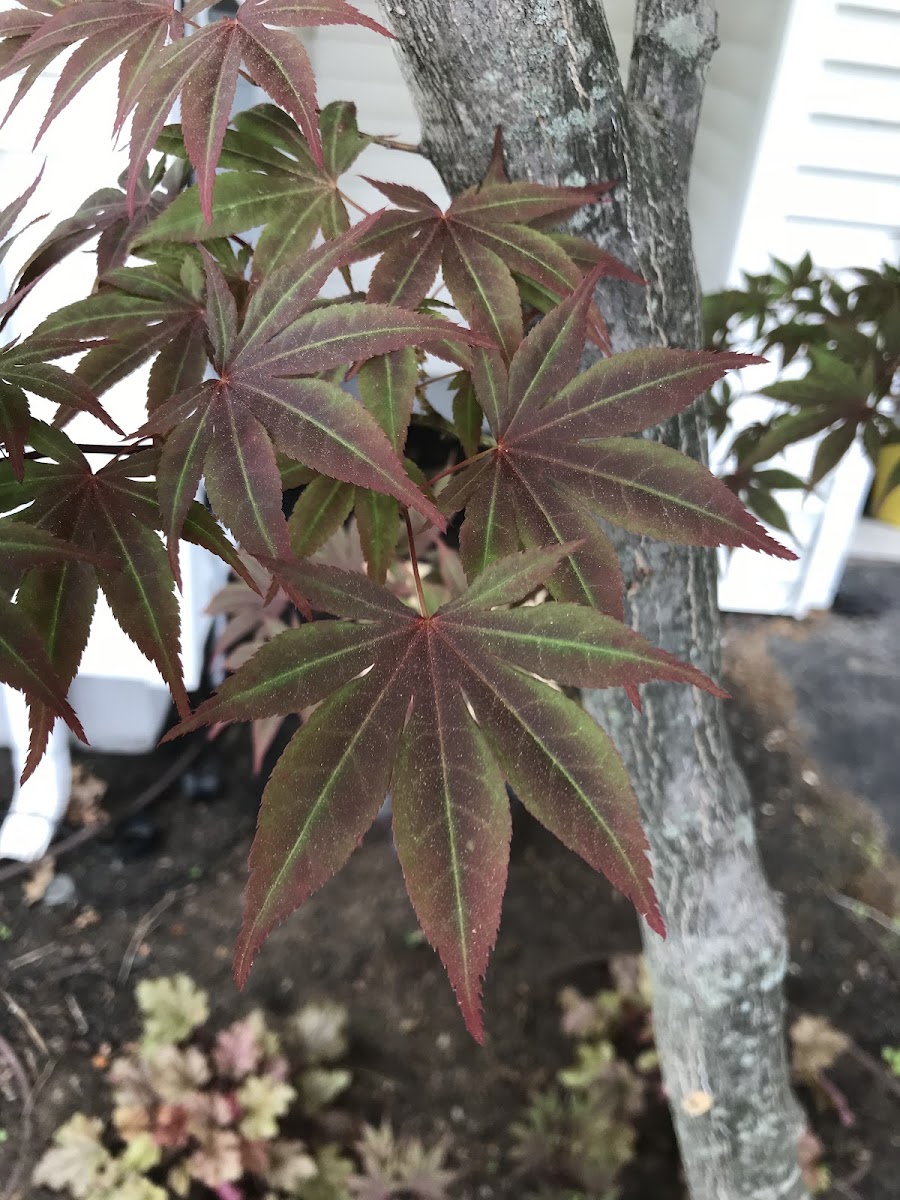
[[851, 145], [834, 244], [873, 7], [853, 197], [829, 180], [865, 36], [849, 90], [845, 192]]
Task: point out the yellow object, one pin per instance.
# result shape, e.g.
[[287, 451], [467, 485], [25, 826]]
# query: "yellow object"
[[886, 507]]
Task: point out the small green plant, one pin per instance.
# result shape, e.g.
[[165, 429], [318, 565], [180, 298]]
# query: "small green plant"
[[238, 1113], [891, 1055], [844, 332], [579, 1134]]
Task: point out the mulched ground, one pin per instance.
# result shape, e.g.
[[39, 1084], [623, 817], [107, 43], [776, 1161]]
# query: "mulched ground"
[[166, 893]]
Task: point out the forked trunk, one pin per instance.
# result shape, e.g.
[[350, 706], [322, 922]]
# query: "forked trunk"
[[546, 71]]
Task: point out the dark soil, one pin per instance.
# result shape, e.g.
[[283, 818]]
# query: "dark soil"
[[147, 907]]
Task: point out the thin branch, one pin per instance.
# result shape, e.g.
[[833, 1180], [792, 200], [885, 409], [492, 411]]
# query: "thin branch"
[[879, 1069], [414, 559], [25, 1021], [860, 909], [143, 927], [864, 916], [439, 378], [393, 144]]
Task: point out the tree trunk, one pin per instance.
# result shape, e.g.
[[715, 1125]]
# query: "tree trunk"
[[546, 71]]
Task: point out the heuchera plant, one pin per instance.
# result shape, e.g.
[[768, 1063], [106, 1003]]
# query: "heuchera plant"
[[217, 1113], [246, 394]]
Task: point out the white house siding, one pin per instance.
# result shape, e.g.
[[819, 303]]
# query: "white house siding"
[[827, 181], [827, 178]]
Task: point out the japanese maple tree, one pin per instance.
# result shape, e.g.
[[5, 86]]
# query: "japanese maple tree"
[[261, 383]]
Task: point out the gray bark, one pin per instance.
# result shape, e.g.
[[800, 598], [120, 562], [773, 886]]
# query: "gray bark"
[[546, 71]]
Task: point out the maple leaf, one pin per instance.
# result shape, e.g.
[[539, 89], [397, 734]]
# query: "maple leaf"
[[24, 660], [224, 430], [485, 238], [561, 461], [104, 215], [475, 715], [135, 313], [387, 389], [8, 218], [17, 26], [24, 369], [23, 546], [135, 30], [25, 666], [113, 513], [272, 181], [202, 69]]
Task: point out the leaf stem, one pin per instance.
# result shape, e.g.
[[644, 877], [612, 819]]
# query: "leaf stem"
[[414, 559], [393, 144], [466, 462], [359, 208], [439, 378]]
